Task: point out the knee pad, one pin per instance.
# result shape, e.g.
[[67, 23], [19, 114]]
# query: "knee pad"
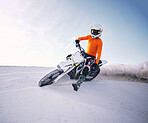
[[94, 66]]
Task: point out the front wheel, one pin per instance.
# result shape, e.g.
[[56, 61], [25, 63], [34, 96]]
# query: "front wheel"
[[50, 77]]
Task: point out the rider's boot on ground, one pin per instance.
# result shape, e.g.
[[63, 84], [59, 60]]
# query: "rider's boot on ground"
[[77, 85]]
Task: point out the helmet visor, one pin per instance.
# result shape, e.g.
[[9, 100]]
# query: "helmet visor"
[[95, 32]]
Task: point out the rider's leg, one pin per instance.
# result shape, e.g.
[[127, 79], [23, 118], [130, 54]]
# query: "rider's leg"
[[84, 73], [81, 79]]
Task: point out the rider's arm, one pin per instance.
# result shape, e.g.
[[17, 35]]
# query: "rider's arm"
[[99, 51], [84, 38]]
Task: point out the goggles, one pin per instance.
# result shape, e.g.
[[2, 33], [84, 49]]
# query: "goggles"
[[95, 32]]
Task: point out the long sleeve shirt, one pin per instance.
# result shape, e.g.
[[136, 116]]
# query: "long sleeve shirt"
[[94, 46]]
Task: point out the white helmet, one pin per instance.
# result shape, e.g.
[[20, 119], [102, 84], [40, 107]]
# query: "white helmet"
[[96, 31]]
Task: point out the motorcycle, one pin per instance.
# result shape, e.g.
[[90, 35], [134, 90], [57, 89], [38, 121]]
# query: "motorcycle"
[[75, 66]]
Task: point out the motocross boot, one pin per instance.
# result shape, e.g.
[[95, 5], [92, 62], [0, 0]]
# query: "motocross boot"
[[77, 85]]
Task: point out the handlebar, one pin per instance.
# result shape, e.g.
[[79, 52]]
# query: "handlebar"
[[79, 47], [82, 51]]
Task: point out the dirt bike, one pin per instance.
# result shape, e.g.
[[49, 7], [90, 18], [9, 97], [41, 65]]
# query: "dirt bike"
[[74, 66]]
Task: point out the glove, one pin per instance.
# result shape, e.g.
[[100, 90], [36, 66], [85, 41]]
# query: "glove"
[[77, 42]]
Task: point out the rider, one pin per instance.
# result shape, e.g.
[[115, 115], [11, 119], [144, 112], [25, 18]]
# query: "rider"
[[94, 47]]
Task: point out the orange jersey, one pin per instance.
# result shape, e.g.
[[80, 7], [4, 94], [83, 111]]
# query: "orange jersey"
[[94, 46]]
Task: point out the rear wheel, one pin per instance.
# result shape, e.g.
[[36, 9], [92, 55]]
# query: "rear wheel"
[[50, 77], [72, 74], [75, 73]]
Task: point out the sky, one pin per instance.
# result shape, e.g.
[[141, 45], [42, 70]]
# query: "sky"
[[42, 32]]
